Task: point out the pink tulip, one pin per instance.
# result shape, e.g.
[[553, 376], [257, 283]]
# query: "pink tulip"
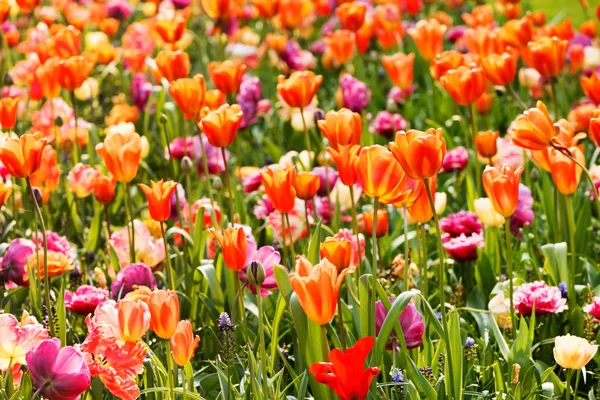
[[18, 338]]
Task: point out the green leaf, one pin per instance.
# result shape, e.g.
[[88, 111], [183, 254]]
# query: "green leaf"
[[422, 384], [210, 274], [454, 371], [556, 262], [94, 231], [314, 243], [282, 278]]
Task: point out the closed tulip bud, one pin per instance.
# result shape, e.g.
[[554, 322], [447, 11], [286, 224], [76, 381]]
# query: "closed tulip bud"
[[534, 129], [158, 195], [164, 313], [594, 128], [487, 214], [187, 165], [576, 58], [464, 84], [486, 143], [502, 188], [8, 112], [133, 319], [227, 75], [400, 69], [217, 184], [299, 89], [173, 65], [184, 343], [37, 198], [342, 127], [256, 273], [279, 187], [338, 251], [546, 55], [73, 71], [341, 44], [572, 352], [566, 174], [104, 188], [420, 154], [381, 223], [221, 125], [306, 185], [233, 246], [380, 175]]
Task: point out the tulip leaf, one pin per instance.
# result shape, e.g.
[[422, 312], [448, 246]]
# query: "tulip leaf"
[[454, 371], [521, 349], [556, 262], [283, 281], [94, 231], [210, 274], [422, 384], [177, 230], [312, 253]]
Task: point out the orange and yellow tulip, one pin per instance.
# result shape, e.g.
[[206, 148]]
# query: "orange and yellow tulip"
[[419, 153], [23, 156], [171, 28], [534, 129], [173, 65], [351, 15], [233, 246], [159, 198], [279, 187], [121, 151], [227, 75], [217, 9], [73, 71], [214, 99], [486, 143], [133, 318], [341, 128], [480, 16], [67, 42], [444, 62], [8, 112], [341, 45], [400, 69], [591, 86], [317, 288], [517, 32], [189, 94], [338, 251], [184, 343], [566, 174], [104, 188], [47, 177], [502, 187], [428, 35], [380, 175], [164, 313], [346, 159], [47, 74], [27, 6], [565, 138], [299, 89], [266, 8], [5, 191], [464, 84], [420, 210], [381, 223], [500, 69], [546, 55], [307, 185], [4, 10], [58, 264], [594, 128], [221, 125]]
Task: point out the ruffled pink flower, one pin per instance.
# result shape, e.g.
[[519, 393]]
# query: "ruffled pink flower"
[[464, 248], [546, 299], [268, 257], [460, 223], [455, 159], [593, 308], [183, 146], [387, 124], [252, 181], [462, 235], [148, 249], [347, 234], [18, 338], [411, 322], [85, 299]]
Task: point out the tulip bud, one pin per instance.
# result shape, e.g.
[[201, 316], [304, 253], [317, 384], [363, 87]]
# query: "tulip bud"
[[217, 184], [8, 80], [256, 273], [58, 121], [187, 165], [162, 119], [37, 193], [318, 115]]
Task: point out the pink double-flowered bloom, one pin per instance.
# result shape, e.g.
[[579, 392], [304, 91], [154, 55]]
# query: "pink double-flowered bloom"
[[85, 299], [593, 308], [546, 299]]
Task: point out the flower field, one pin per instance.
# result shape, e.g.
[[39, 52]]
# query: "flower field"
[[299, 199]]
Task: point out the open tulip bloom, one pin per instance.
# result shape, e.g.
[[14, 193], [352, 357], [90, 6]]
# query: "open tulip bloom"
[[279, 199]]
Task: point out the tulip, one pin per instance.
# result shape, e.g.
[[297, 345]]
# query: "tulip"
[[400, 69], [58, 373], [266, 8], [572, 352], [502, 188], [444, 62], [346, 158], [351, 15], [22, 157], [500, 69], [534, 129], [464, 84], [594, 128], [279, 187], [420, 154], [173, 65], [576, 58], [121, 151], [517, 32], [566, 174], [428, 35], [420, 210], [380, 175], [171, 27], [164, 313], [338, 251], [381, 224], [5, 191], [546, 55], [67, 42], [189, 94], [133, 275], [133, 318], [411, 322], [220, 126], [159, 198], [4, 11], [184, 343], [227, 75], [8, 112], [73, 71], [299, 89], [233, 246], [342, 127], [591, 86], [565, 138], [306, 185], [47, 75], [317, 288], [217, 9], [487, 214], [486, 143], [104, 188]]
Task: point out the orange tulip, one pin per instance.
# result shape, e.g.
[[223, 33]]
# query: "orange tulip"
[[591, 86], [233, 246], [73, 71], [5, 191], [299, 89], [293, 12], [420, 210], [341, 128], [8, 112], [415, 187], [562, 30], [500, 69], [546, 55], [400, 69], [380, 175], [565, 173], [346, 159], [4, 10], [576, 58], [589, 28], [266, 8], [428, 35], [279, 187], [444, 62], [214, 98], [159, 198], [594, 128], [419, 153], [164, 313], [341, 44], [382, 223], [580, 116], [104, 188], [485, 102], [534, 129], [276, 42], [47, 177], [351, 15], [217, 9], [121, 151], [363, 37], [23, 156], [317, 288], [306, 185], [483, 41], [173, 65], [189, 95], [502, 187], [184, 343], [171, 27], [27, 6], [486, 143], [220, 126], [226, 75], [464, 84], [67, 42], [58, 264], [133, 318], [47, 75], [122, 112], [480, 16], [565, 138], [110, 26], [338, 251]]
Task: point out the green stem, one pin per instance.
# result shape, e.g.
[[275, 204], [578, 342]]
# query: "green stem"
[[75, 141], [511, 288], [307, 141], [287, 218], [571, 226], [240, 294], [129, 206], [554, 98], [170, 273], [261, 334], [473, 113], [497, 249], [207, 177], [355, 231], [406, 260], [516, 97], [284, 247], [577, 375], [170, 370], [228, 184], [324, 344], [107, 218], [372, 328], [568, 384], [340, 313]]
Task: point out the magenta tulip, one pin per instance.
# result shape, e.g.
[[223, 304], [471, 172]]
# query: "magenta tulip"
[[411, 322]]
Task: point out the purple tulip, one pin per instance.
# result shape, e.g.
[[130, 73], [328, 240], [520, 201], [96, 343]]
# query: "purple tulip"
[[140, 90], [326, 173], [524, 213], [411, 322], [14, 262], [58, 374], [355, 94], [130, 276], [119, 9], [248, 98]]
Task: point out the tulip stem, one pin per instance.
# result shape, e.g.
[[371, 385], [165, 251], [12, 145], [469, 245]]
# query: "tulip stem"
[[170, 273], [40, 219], [441, 273], [284, 246], [228, 184], [261, 334], [515, 96], [324, 344], [406, 260], [39, 391], [287, 218], [107, 217], [76, 138], [306, 217], [511, 289], [129, 206], [341, 318], [372, 324], [568, 384], [355, 230], [554, 98], [170, 370], [206, 175], [577, 375], [572, 295], [473, 113], [240, 294], [307, 141]]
